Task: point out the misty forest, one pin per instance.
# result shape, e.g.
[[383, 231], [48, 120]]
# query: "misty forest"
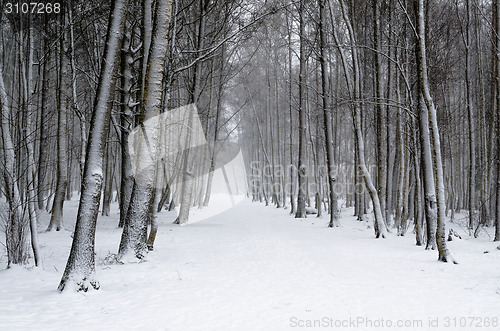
[[251, 165]]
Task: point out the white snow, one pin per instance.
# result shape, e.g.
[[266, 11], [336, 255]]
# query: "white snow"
[[253, 267]]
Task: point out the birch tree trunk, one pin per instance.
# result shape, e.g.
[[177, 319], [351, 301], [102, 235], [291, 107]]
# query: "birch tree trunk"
[[218, 111], [81, 115], [133, 240], [30, 151], [427, 171], [428, 174], [56, 220], [327, 120], [188, 175], [380, 227], [80, 268], [108, 178], [444, 254], [403, 179], [419, 211], [127, 122], [381, 120], [290, 113], [496, 5], [470, 112], [302, 164], [17, 227], [42, 150]]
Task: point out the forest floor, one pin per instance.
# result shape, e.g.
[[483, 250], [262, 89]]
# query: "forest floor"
[[257, 268]]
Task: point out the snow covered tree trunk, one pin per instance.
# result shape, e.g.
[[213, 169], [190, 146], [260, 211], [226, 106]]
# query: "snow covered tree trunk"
[[32, 192], [389, 150], [80, 268], [291, 192], [470, 112], [496, 5], [302, 164], [484, 181], [133, 240], [428, 174], [16, 229], [381, 229], [160, 179], [426, 163], [381, 120], [377, 210], [218, 111], [189, 175], [187, 188], [401, 220], [56, 219], [127, 122], [419, 211], [327, 120], [108, 178], [444, 254], [42, 150], [81, 115]]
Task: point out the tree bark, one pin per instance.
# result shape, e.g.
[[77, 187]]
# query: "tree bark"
[[42, 150], [133, 240], [444, 254], [497, 74], [218, 111], [302, 170], [379, 225], [127, 122], [470, 112], [56, 220], [327, 121], [80, 268], [381, 119], [32, 192], [16, 228]]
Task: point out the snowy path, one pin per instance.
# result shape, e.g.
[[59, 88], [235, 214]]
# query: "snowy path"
[[256, 268]]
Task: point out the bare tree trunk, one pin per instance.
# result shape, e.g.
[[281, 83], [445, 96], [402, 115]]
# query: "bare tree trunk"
[[127, 122], [327, 121], [470, 112], [31, 194], [290, 108], [189, 173], [80, 268], [491, 136], [108, 179], [17, 227], [444, 254], [428, 174], [218, 111], [81, 114], [426, 168], [400, 220], [56, 220], [483, 211], [302, 167], [419, 211], [42, 150], [134, 234], [380, 226], [390, 152], [381, 120], [497, 72]]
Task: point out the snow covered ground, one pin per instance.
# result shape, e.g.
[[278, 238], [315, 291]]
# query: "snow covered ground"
[[257, 268]]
